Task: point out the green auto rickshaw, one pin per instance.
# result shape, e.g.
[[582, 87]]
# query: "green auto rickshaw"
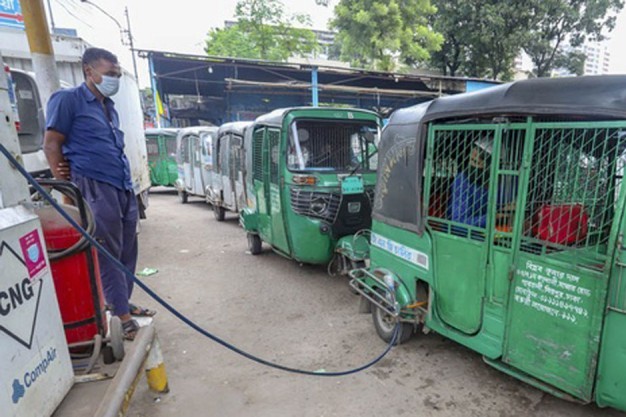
[[310, 176], [499, 222], [161, 147]]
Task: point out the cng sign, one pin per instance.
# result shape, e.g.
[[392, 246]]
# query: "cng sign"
[[19, 297]]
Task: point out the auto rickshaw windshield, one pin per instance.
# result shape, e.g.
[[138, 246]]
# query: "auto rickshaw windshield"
[[331, 145]]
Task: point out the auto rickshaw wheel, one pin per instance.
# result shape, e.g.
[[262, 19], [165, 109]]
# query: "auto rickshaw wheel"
[[183, 196], [219, 212], [385, 324], [254, 243]]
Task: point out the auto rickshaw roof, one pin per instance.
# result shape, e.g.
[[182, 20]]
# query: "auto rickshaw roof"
[[276, 117], [238, 128], [163, 131], [591, 96], [196, 130]]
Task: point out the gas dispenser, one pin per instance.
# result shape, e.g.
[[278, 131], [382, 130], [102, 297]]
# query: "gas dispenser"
[[35, 367]]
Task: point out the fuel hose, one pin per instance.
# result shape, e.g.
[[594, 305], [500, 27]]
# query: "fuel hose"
[[102, 251]]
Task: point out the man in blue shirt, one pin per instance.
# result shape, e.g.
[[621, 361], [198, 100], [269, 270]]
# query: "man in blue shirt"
[[83, 143], [470, 190]]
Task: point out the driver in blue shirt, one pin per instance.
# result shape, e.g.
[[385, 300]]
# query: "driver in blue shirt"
[[470, 189], [84, 143]]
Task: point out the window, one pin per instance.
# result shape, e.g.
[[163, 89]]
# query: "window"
[[574, 182], [460, 179], [274, 142], [152, 147], [257, 154], [332, 145]]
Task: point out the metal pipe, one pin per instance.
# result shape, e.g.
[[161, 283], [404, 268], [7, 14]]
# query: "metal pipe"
[[296, 143], [314, 89], [117, 397]]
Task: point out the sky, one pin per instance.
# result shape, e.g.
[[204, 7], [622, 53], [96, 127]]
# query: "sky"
[[181, 26]]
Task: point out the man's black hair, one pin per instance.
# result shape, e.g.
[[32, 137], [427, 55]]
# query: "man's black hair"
[[92, 55]]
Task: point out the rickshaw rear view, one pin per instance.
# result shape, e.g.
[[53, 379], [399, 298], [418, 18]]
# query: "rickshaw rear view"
[[194, 161], [498, 222], [226, 189], [161, 148]]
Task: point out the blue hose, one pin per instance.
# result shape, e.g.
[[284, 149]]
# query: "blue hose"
[[168, 306]]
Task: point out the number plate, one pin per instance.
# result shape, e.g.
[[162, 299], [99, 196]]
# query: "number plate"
[[352, 185]]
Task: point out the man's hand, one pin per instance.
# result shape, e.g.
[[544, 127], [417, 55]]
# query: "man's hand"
[[63, 171], [52, 142]]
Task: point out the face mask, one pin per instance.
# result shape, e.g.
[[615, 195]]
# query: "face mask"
[[108, 86]]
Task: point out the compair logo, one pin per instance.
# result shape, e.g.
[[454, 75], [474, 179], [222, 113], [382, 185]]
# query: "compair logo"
[[31, 376], [19, 297]]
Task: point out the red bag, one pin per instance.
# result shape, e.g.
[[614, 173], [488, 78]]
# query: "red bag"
[[564, 224]]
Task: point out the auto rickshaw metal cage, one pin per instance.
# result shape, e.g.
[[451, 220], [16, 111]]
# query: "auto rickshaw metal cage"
[[576, 169]]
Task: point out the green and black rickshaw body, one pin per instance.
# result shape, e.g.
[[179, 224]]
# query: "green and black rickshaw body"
[[310, 175], [161, 148], [525, 265]]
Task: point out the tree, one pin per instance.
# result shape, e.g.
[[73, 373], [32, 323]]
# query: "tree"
[[571, 22], [263, 31], [451, 20], [380, 33], [482, 37]]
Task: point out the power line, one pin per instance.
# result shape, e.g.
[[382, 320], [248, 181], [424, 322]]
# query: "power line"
[[60, 3]]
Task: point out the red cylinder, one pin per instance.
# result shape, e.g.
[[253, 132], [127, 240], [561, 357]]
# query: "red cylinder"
[[76, 277]]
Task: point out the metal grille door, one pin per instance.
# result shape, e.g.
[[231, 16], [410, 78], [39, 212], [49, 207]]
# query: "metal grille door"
[[561, 270]]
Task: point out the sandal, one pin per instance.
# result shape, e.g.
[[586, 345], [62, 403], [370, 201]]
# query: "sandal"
[[140, 311], [130, 328]]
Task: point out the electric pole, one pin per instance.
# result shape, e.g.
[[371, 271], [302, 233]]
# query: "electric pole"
[[131, 44], [40, 46], [123, 32]]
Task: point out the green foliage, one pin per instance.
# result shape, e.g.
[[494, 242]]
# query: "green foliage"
[[556, 22], [482, 37], [380, 33], [263, 31]]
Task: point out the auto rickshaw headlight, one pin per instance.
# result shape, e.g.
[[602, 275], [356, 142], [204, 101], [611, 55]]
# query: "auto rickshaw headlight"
[[304, 180]]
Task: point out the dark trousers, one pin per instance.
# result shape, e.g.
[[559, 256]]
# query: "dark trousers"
[[116, 216]]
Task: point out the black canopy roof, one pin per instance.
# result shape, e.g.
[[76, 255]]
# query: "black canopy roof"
[[592, 96], [228, 89]]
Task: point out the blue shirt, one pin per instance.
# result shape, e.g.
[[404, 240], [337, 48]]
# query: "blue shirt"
[[94, 145], [469, 202]]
